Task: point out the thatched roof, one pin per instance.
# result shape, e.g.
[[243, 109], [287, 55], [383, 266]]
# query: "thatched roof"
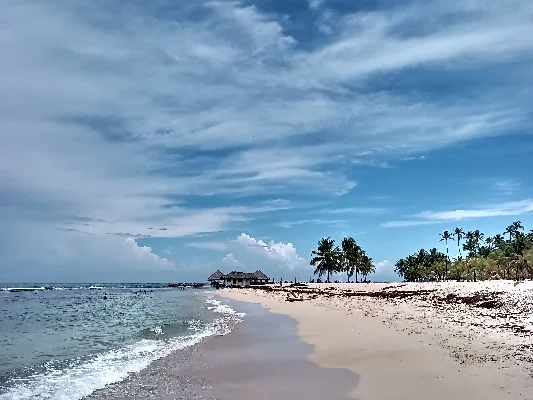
[[260, 275], [216, 276], [239, 275]]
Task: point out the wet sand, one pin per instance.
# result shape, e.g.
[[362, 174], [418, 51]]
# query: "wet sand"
[[262, 358]]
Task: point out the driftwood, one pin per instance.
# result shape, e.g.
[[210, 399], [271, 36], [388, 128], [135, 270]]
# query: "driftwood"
[[291, 299], [291, 296]]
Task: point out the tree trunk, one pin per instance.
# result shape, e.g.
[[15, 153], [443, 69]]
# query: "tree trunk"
[[446, 273], [356, 275], [328, 277], [348, 277]]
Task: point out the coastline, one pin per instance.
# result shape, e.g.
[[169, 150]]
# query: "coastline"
[[262, 357], [409, 344]]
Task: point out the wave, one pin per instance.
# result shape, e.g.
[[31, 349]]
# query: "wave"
[[82, 376]]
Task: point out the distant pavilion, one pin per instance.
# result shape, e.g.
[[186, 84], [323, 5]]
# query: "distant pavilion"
[[238, 278]]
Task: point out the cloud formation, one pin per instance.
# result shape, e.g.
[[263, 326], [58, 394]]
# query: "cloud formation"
[[281, 253], [117, 116], [496, 210]]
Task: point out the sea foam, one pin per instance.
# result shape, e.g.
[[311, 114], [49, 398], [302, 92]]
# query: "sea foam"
[[84, 376]]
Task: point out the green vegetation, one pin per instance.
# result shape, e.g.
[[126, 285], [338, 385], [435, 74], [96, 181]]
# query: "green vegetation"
[[486, 257], [351, 259]]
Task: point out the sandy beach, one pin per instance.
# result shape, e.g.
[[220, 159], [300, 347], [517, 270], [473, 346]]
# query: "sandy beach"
[[415, 341]]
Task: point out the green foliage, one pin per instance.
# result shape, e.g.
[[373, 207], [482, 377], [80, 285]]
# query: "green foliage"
[[422, 266], [350, 259], [327, 258], [486, 258]]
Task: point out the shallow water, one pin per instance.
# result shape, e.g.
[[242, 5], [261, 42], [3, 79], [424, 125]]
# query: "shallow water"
[[64, 344]]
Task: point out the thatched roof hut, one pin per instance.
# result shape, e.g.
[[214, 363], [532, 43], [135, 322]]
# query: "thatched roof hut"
[[261, 276], [217, 275], [239, 275]]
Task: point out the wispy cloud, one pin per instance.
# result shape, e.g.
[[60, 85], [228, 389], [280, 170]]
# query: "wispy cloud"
[[507, 187], [208, 245], [357, 210], [290, 224], [414, 158], [150, 107], [404, 223], [495, 210]]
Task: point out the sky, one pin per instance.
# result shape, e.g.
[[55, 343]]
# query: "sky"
[[161, 140]]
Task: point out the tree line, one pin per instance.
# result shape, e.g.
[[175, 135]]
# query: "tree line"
[[503, 256], [350, 259]]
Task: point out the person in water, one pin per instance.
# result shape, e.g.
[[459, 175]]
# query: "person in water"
[[105, 296]]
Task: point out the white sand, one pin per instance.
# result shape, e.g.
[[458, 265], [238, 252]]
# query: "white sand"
[[418, 347]]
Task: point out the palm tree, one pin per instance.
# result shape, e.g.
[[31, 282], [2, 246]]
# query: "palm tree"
[[401, 268], [326, 259], [514, 228], [459, 234], [367, 265], [498, 239], [351, 253], [445, 236], [490, 241], [478, 239]]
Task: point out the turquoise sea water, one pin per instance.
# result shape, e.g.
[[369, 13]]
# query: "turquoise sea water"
[[67, 342]]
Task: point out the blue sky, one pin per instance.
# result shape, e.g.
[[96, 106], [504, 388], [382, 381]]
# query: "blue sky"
[[161, 140]]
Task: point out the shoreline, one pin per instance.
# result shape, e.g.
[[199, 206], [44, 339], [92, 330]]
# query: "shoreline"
[[421, 341], [260, 358]]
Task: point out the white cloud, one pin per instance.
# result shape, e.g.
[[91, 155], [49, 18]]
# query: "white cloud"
[[284, 253], [273, 258], [230, 261], [397, 224], [145, 111], [384, 272], [67, 256], [507, 187], [413, 158], [383, 266], [144, 255], [495, 210], [357, 210], [336, 223], [208, 245], [315, 4]]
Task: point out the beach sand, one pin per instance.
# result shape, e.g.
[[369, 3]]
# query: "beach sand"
[[436, 341]]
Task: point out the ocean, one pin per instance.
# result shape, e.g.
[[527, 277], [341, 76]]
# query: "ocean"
[[64, 343]]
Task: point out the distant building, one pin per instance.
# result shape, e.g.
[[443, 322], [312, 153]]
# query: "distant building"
[[261, 278], [238, 279], [216, 279]]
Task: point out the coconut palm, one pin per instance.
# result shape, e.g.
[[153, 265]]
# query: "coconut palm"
[[326, 259], [401, 268], [489, 241], [367, 266], [498, 240], [445, 236], [459, 234], [513, 229], [478, 239], [351, 254]]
